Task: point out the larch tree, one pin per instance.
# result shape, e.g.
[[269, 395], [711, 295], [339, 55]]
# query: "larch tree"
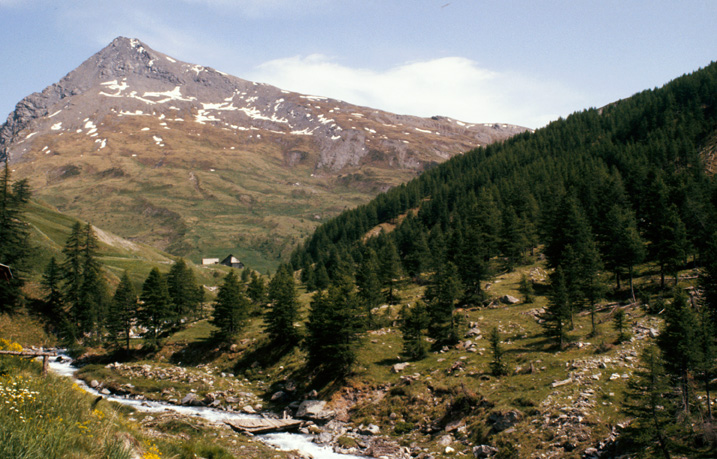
[[122, 312], [231, 308], [155, 312], [283, 309]]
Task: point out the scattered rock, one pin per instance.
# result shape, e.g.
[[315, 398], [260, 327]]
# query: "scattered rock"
[[277, 396], [314, 410], [399, 367], [484, 451], [501, 421], [94, 384], [508, 299], [191, 399], [561, 383]]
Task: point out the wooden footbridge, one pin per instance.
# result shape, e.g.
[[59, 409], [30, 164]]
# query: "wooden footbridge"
[[263, 425], [33, 354]]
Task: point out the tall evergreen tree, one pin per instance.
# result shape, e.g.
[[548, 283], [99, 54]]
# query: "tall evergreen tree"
[[256, 289], [390, 269], [155, 314], [369, 285], [230, 309], [51, 282], [94, 297], [72, 277], [497, 365], [284, 308], [333, 328], [442, 296], [122, 312], [414, 321], [14, 237], [557, 313], [623, 246], [183, 291], [650, 403], [679, 343]]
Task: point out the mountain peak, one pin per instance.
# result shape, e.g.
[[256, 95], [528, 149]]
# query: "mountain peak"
[[128, 78]]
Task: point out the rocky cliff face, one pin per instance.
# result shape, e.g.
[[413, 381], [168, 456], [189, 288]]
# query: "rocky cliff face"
[[129, 79]]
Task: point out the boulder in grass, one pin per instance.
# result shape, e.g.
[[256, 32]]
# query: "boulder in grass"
[[508, 299]]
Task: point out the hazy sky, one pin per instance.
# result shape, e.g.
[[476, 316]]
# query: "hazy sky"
[[521, 62]]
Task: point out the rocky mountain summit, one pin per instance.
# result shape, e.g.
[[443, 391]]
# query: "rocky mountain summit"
[[200, 163], [129, 79]]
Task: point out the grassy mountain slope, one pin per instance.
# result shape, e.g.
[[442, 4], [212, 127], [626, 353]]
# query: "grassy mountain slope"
[[50, 228]]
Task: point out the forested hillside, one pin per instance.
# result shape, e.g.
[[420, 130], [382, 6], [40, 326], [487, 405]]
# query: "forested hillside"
[[630, 170], [593, 197]]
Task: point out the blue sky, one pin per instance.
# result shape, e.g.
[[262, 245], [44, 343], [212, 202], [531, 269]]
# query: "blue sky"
[[521, 62]]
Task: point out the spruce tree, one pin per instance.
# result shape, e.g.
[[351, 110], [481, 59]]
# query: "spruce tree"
[[390, 269], [557, 314], [284, 308], [623, 246], [231, 308], [183, 291], [442, 296], [14, 238], [333, 328], [414, 321], [649, 402], [155, 313], [122, 312], [526, 289], [256, 289], [51, 282], [619, 324], [369, 285], [72, 278], [679, 343], [497, 365], [94, 297]]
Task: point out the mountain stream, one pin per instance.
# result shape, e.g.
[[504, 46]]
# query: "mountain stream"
[[282, 441]]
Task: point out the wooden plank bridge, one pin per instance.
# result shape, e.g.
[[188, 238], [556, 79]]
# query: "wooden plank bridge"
[[263, 425], [33, 354]]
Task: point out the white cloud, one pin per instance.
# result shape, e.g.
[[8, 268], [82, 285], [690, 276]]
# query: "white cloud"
[[451, 86]]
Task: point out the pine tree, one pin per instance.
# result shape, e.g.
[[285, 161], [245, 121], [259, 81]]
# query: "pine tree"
[[369, 285], [679, 343], [497, 365], [414, 321], [390, 269], [155, 313], [122, 312], [442, 296], [513, 239], [53, 299], [284, 308], [256, 289], [333, 328], [183, 291], [230, 309], [619, 324], [526, 289], [650, 403], [623, 247], [557, 313], [14, 237], [72, 277], [94, 297]]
